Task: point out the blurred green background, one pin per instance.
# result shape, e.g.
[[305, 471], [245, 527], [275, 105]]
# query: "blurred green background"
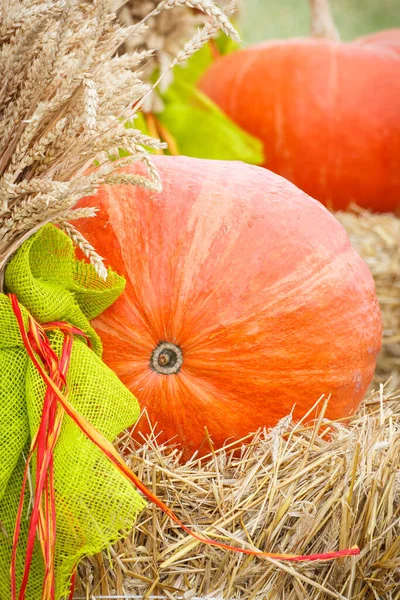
[[263, 19]]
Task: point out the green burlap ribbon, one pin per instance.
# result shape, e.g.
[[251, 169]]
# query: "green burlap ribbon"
[[95, 504]]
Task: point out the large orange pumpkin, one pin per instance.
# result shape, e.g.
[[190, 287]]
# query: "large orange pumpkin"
[[328, 113], [244, 300]]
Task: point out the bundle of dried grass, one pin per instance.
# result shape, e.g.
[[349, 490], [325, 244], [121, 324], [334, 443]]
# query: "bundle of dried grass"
[[377, 239], [294, 489], [64, 100]]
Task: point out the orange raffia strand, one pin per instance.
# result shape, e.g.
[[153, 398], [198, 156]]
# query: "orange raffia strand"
[[159, 131], [166, 136], [153, 131], [215, 53], [53, 371]]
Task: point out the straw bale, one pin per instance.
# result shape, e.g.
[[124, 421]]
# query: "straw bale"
[[294, 489], [377, 239]]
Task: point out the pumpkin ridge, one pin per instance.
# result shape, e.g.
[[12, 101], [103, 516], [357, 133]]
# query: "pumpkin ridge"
[[278, 292], [303, 288]]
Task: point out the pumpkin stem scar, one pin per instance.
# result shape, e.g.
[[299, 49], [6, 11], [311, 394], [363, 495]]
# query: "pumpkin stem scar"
[[166, 358]]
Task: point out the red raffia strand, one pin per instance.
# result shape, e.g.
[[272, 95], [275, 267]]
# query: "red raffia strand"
[[72, 585], [53, 372]]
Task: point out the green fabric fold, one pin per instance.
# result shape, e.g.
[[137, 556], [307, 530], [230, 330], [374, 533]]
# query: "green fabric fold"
[[95, 504]]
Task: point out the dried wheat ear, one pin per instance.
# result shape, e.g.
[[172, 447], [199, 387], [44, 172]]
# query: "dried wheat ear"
[[65, 97]]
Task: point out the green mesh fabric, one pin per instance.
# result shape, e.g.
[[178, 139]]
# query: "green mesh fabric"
[[95, 505]]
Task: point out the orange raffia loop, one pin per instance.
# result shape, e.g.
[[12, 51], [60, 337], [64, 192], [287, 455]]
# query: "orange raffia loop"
[[53, 371], [66, 328]]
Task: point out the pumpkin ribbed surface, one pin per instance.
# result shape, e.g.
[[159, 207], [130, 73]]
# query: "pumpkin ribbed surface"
[[250, 285], [389, 38], [328, 114]]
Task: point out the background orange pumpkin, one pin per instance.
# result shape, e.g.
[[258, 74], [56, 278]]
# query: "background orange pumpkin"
[[390, 38], [244, 300], [327, 112]]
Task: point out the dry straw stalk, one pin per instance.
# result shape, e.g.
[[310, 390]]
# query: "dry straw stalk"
[[293, 489]]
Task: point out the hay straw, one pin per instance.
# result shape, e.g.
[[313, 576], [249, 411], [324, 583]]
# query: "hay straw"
[[376, 237], [293, 489]]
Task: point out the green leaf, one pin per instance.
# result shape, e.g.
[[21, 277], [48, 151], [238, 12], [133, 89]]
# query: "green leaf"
[[198, 126], [196, 65], [191, 71], [225, 44], [139, 122], [202, 130]]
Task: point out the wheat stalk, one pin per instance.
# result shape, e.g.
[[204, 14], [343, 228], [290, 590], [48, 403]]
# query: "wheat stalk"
[[65, 97]]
